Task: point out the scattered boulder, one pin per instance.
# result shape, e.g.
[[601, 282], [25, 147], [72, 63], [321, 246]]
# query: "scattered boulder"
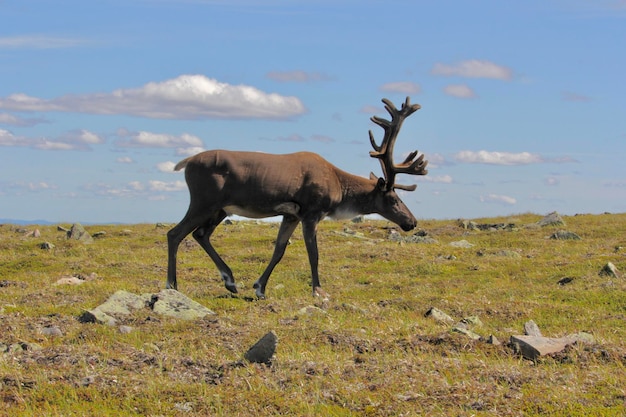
[[532, 347], [418, 237], [78, 232], [46, 246], [51, 331], [166, 302], [263, 350], [564, 235], [508, 254], [490, 227], [439, 315], [552, 219], [531, 329], [76, 279], [311, 310], [461, 244], [565, 280], [174, 304], [609, 270], [533, 344]]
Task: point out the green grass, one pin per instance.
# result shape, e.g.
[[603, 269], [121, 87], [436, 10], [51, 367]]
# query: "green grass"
[[371, 353]]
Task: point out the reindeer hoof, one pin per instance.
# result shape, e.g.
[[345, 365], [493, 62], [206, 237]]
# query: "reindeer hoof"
[[319, 292], [231, 287], [260, 294]]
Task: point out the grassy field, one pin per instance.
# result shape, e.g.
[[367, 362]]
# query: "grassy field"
[[368, 351]]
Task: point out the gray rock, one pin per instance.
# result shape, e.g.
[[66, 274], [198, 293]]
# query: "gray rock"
[[531, 329], [311, 310], [51, 331], [46, 246], [263, 350], [439, 315], [609, 270], [125, 329], [492, 340], [175, 304], [508, 254], [552, 219], [461, 244], [166, 302], [460, 328], [123, 303], [564, 235], [532, 347], [78, 232]]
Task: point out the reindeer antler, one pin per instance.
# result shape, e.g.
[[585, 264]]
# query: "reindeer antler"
[[384, 152]]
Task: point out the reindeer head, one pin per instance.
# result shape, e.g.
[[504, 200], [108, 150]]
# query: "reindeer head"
[[388, 204]]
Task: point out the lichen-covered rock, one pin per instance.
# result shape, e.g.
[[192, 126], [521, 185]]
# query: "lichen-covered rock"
[[78, 232], [552, 219], [175, 304]]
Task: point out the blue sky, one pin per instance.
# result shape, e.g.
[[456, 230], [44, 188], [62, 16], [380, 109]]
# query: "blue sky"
[[523, 103]]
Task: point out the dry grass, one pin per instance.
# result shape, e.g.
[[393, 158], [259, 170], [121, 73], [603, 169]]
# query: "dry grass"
[[371, 352]]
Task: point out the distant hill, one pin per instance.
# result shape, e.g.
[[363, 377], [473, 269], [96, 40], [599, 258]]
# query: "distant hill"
[[25, 222]]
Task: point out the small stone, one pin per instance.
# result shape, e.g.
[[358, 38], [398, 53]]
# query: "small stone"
[[609, 270], [46, 246], [99, 234], [51, 331], [531, 329], [461, 244], [564, 235], [69, 281], [125, 329], [439, 315], [460, 328], [509, 254], [263, 350], [310, 310], [86, 381], [472, 321], [565, 280], [492, 340]]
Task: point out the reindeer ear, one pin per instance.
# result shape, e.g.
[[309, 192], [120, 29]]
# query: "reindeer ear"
[[382, 184]]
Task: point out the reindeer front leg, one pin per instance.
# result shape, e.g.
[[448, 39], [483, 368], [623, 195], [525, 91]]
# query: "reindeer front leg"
[[202, 235], [287, 227]]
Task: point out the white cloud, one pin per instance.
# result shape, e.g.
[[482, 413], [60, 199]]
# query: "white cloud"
[[33, 186], [167, 186], [144, 139], [498, 158], [405, 87], [498, 199], [297, 76], [189, 151], [124, 160], [38, 42], [166, 166], [9, 139], [184, 97], [474, 68], [10, 119], [459, 90], [72, 140], [439, 179], [552, 181]]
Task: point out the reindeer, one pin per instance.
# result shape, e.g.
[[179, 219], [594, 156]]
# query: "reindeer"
[[301, 187]]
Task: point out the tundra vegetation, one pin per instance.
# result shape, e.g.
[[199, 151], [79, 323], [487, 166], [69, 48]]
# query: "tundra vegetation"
[[369, 349]]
